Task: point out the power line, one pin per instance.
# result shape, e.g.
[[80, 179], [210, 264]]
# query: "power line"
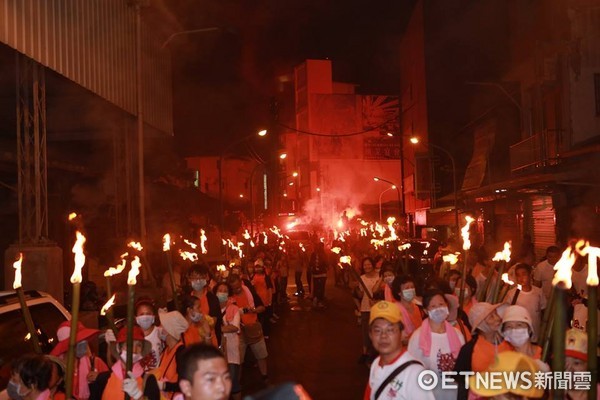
[[368, 130]]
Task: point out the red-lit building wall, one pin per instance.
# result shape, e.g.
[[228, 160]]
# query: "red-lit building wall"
[[340, 145]]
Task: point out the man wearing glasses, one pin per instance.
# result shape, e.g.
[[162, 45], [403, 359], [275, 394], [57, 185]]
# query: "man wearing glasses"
[[394, 373]]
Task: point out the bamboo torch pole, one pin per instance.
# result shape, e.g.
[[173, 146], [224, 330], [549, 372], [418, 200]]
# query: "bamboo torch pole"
[[561, 283], [466, 246], [24, 308], [76, 279]]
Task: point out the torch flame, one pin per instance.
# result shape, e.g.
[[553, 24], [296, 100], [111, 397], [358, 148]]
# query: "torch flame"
[[112, 271], [503, 255], [246, 234], [17, 267], [79, 257], [584, 248], [302, 247], [187, 255], [203, 241], [191, 244], [506, 280], [166, 242], [464, 232], [251, 243], [221, 268], [345, 260], [563, 268], [336, 250], [135, 245], [404, 247], [134, 271], [108, 305], [72, 216], [451, 258], [519, 287]]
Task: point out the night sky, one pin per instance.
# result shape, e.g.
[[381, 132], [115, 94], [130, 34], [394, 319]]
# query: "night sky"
[[225, 80]]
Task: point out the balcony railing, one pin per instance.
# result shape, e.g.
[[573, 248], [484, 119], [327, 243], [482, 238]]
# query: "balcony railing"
[[537, 151]]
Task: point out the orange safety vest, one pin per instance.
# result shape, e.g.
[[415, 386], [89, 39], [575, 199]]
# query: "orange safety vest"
[[114, 388], [205, 308], [167, 370]]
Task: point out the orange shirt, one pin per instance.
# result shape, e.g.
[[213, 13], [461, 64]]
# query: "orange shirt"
[[191, 335], [484, 353], [260, 285], [242, 302]]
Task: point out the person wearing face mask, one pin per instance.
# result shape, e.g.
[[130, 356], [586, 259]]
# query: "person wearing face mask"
[[230, 343], [145, 313], [87, 365], [114, 384], [199, 330], [404, 292], [436, 343], [30, 378], [198, 278], [469, 298], [479, 352], [517, 330], [174, 324], [386, 275]]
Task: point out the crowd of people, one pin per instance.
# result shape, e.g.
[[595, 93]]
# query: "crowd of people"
[[412, 319]]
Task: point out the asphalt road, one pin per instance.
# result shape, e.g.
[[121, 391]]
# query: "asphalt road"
[[317, 348]]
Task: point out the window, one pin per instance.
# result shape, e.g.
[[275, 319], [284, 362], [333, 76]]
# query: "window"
[[597, 93]]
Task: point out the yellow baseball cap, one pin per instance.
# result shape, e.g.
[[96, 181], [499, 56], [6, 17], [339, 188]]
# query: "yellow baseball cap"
[[386, 310]]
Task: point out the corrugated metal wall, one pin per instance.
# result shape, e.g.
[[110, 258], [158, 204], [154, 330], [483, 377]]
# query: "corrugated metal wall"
[[544, 224], [92, 42]]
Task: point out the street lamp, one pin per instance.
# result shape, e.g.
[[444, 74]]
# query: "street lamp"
[[381, 194], [415, 140], [261, 133], [377, 179]]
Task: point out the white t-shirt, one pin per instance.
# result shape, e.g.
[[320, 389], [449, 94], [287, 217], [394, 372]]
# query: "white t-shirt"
[[157, 347], [440, 358], [544, 272], [232, 339], [579, 279], [534, 301], [403, 387], [365, 304]]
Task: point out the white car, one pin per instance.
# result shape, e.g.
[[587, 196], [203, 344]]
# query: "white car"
[[47, 314]]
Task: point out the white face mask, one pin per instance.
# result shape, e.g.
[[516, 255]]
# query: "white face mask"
[[388, 280], [517, 337], [466, 293], [145, 321], [408, 294], [136, 357], [195, 316], [438, 315], [452, 284]]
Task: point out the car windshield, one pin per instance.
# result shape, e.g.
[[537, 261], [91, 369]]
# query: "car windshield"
[[13, 332]]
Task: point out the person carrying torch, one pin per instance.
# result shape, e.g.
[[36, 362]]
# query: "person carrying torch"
[[528, 296], [118, 382]]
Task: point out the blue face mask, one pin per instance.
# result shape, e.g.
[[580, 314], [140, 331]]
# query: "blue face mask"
[[13, 391], [81, 349], [222, 297], [199, 284]]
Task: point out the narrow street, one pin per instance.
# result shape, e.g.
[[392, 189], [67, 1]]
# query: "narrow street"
[[317, 348]]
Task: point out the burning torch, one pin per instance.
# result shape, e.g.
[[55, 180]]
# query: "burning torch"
[[24, 308]]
